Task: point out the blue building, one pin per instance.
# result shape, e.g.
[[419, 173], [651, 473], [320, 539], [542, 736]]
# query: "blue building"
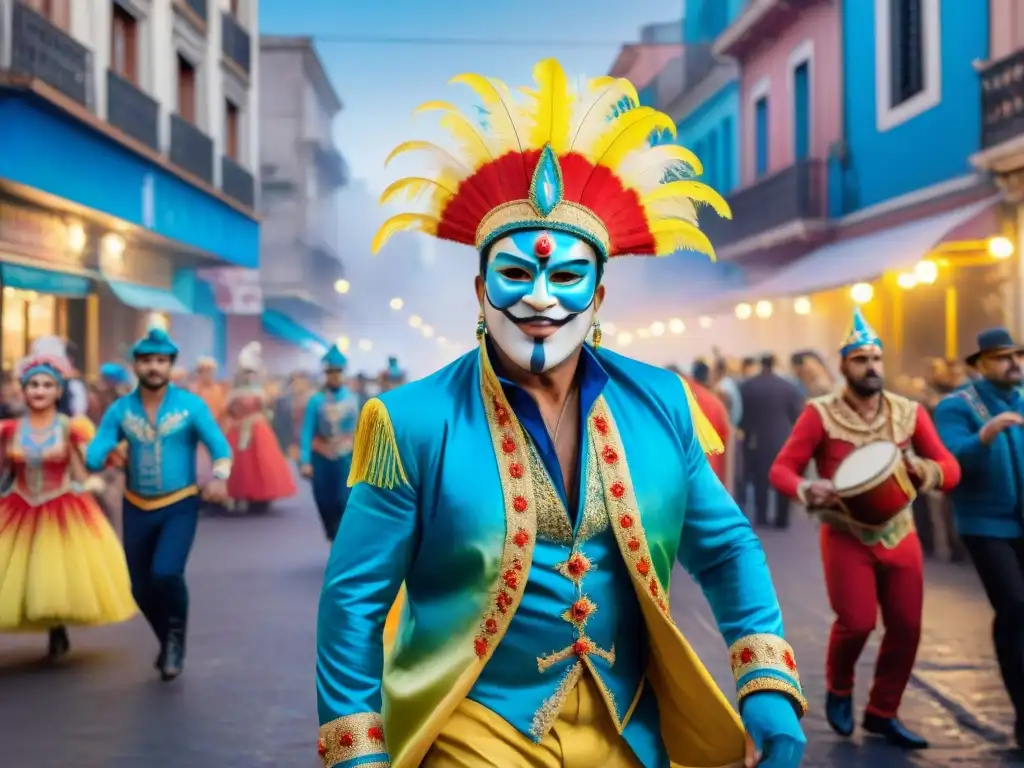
[[126, 174]]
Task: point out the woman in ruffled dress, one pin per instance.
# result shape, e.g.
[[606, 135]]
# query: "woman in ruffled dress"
[[61, 563], [260, 473]]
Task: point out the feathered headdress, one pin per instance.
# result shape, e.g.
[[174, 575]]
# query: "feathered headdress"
[[251, 357], [588, 161], [56, 366]]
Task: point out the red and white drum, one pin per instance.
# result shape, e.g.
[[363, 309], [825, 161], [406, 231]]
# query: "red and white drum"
[[874, 484]]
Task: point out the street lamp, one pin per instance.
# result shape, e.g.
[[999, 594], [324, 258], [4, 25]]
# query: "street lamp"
[[342, 286], [396, 304], [862, 293], [1000, 248], [415, 321]]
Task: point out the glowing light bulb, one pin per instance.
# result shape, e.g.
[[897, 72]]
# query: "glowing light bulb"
[[704, 322], [624, 339], [802, 305], [926, 272], [1000, 248], [342, 286], [657, 329], [676, 325], [415, 321], [744, 311], [396, 303], [862, 293], [763, 309], [906, 280]]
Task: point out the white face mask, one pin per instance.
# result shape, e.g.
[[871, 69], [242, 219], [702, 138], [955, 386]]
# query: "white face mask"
[[539, 296]]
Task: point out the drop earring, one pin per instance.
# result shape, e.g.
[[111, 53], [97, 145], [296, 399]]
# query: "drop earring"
[[481, 326], [597, 333]]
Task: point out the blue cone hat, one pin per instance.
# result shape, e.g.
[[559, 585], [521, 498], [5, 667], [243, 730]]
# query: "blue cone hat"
[[156, 342], [861, 334], [334, 360]]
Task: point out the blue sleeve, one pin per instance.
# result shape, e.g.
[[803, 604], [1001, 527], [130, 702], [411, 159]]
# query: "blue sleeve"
[[720, 550], [209, 431], [959, 431], [360, 586], [308, 430], [108, 435]]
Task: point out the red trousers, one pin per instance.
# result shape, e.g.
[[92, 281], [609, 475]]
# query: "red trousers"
[[861, 579]]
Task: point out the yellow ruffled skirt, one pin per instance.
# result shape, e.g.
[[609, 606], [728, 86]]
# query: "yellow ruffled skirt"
[[60, 564]]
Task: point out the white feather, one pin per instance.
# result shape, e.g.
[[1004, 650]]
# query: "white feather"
[[644, 169], [594, 108]]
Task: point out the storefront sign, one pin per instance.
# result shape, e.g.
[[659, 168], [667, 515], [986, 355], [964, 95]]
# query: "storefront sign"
[[237, 291], [38, 235]]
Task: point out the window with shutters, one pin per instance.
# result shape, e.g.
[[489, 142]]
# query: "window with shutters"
[[186, 89], [57, 12], [231, 130], [908, 59], [124, 41]]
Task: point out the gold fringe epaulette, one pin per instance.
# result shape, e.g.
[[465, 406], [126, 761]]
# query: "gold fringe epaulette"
[[375, 458], [707, 436]]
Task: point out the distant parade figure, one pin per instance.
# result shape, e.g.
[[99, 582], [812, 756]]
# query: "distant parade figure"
[[60, 561], [392, 376], [261, 472], [325, 450], [214, 394], [161, 425], [873, 451]]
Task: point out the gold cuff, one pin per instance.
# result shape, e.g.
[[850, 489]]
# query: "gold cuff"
[[353, 736], [929, 473], [756, 653], [767, 683]]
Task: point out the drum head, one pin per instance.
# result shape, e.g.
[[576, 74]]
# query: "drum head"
[[864, 464]]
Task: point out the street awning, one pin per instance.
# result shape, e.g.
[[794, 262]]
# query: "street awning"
[[148, 298], [45, 281], [284, 328], [865, 258]]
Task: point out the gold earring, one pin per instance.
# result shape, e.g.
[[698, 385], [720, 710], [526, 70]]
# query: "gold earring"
[[481, 326], [597, 333]]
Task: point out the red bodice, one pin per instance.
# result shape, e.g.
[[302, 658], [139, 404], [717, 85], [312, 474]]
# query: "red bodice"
[[41, 460]]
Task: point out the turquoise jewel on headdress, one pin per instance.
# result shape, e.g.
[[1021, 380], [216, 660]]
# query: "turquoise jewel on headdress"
[[334, 360], [155, 342], [861, 334], [546, 187]]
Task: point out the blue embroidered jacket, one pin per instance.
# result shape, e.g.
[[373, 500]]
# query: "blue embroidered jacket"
[[329, 424], [161, 457], [512, 594]]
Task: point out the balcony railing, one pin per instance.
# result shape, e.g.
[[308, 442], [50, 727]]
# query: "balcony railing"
[[41, 50], [191, 149], [236, 182], [198, 7], [1002, 100], [793, 194], [234, 41], [332, 166], [132, 111]]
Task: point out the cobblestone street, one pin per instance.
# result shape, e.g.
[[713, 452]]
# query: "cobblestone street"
[[247, 697]]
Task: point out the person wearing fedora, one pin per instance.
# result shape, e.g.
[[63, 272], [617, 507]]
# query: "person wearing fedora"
[[866, 568], [981, 424]]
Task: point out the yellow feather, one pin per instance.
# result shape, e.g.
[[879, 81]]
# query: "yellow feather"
[[552, 115], [403, 222], [416, 187], [673, 208], [636, 135], [445, 158], [671, 235], [612, 130], [435, 106], [694, 191], [591, 119], [707, 437], [506, 129], [473, 146]]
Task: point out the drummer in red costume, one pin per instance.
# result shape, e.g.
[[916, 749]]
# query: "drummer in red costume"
[[875, 564]]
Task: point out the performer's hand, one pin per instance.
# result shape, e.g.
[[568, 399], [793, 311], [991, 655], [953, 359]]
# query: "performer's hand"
[[306, 470], [773, 726], [821, 494], [995, 426], [216, 492]]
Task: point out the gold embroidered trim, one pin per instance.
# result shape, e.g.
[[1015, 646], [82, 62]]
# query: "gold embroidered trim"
[[582, 648], [622, 507], [375, 457], [352, 736], [769, 683], [895, 421], [522, 212], [552, 520], [759, 652], [545, 717], [580, 612], [576, 567], [888, 535], [520, 498], [595, 513]]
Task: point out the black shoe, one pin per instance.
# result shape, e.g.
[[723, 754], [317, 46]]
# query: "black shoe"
[[893, 731], [59, 644], [839, 713], [174, 653]]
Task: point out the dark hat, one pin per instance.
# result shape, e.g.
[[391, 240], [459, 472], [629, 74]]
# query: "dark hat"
[[993, 340]]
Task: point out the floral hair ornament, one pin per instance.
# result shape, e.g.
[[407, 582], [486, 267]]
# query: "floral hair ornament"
[[44, 364], [588, 161]]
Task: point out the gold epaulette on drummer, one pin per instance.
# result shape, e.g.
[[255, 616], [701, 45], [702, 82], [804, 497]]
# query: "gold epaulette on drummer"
[[375, 458], [707, 436]]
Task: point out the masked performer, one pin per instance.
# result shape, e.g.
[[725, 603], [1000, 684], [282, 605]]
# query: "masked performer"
[[161, 426], [261, 471], [60, 561], [325, 449], [535, 494], [867, 566]]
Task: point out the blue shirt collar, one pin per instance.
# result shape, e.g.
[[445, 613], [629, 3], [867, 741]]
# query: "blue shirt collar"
[[591, 377]]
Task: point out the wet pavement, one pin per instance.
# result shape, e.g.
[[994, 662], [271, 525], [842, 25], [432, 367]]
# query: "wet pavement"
[[247, 698]]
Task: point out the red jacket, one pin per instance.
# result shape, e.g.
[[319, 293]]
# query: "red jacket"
[[717, 414]]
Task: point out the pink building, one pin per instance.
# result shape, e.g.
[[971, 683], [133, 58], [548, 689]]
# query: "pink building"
[[1006, 28], [791, 103]]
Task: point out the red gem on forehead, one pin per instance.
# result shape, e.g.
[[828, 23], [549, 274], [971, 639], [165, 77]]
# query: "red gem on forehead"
[[543, 246]]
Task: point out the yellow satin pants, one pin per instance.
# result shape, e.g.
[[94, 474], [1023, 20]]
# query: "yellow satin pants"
[[391, 623], [584, 736]]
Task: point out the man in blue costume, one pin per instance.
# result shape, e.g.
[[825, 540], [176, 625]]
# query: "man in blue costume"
[[325, 449], [161, 425], [535, 494], [392, 376]]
